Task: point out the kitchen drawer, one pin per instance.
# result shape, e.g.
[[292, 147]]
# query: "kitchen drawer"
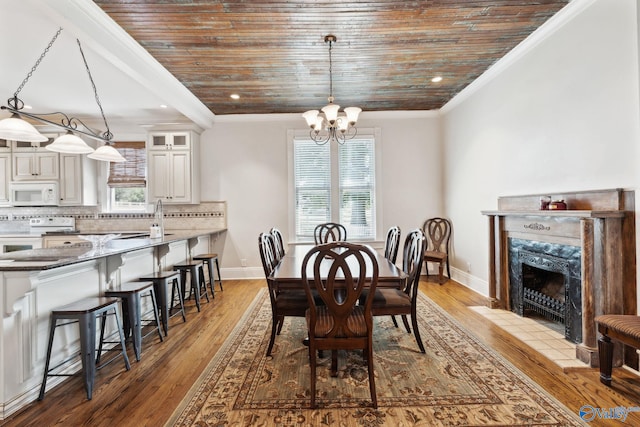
[[53, 241]]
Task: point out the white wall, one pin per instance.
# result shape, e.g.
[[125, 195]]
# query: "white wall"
[[244, 161], [562, 116]]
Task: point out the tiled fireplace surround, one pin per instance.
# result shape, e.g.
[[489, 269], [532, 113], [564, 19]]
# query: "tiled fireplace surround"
[[601, 224], [205, 216]]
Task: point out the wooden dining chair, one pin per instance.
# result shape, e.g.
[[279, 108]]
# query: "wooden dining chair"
[[288, 302], [278, 241], [329, 232], [340, 323], [392, 302], [438, 232], [391, 244]]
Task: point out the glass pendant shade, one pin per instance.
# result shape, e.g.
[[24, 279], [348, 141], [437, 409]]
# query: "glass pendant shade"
[[107, 153], [14, 128], [331, 112], [69, 144], [343, 124], [352, 114], [310, 116]]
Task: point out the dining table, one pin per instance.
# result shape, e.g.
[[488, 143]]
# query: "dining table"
[[288, 273]]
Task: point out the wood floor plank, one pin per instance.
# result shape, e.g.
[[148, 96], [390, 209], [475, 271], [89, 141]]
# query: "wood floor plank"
[[148, 394]]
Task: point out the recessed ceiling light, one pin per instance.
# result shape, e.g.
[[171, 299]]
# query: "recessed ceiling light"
[[27, 107], [163, 106], [235, 96], [436, 79]]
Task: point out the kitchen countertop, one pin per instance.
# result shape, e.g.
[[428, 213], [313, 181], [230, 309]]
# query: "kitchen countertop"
[[48, 258]]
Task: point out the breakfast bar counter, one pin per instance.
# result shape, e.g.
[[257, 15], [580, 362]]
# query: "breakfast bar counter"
[[34, 282], [48, 258]]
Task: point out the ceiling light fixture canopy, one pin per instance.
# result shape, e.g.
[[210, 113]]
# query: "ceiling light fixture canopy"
[[331, 125], [16, 128]]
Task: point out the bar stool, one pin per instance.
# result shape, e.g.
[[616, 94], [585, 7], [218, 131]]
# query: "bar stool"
[[208, 260], [84, 312], [161, 280], [196, 280], [131, 294]]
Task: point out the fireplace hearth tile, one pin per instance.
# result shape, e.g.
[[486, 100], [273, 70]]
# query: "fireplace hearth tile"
[[535, 333]]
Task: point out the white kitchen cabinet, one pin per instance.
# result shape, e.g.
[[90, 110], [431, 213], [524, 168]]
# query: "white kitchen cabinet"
[[5, 172], [170, 141], [173, 167], [33, 162], [70, 179]]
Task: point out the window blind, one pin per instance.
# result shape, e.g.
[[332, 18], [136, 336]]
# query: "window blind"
[[345, 180], [312, 183], [356, 170], [131, 173]]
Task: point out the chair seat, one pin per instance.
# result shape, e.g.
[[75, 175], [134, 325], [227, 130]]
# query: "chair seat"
[[356, 322], [391, 298], [439, 256], [624, 324], [291, 299]]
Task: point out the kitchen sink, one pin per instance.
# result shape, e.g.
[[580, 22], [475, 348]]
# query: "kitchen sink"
[[137, 235]]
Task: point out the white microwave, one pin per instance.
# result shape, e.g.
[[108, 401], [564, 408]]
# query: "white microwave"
[[34, 193]]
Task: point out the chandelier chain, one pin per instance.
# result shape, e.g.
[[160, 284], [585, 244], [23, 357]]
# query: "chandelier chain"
[[330, 74], [107, 133], [15, 95]]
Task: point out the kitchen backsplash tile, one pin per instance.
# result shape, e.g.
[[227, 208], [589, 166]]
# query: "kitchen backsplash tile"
[[206, 215]]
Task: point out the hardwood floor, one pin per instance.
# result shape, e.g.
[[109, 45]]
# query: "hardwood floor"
[[151, 390]]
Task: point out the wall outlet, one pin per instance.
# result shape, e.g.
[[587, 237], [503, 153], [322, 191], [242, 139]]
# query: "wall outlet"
[[243, 262]]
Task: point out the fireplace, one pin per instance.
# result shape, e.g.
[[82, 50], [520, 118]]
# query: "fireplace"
[[567, 266], [545, 281]]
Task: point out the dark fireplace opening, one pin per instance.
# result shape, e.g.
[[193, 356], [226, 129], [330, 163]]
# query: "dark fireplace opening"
[[543, 294], [545, 282]]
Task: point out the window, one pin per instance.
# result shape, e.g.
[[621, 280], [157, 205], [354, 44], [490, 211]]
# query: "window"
[[334, 183], [127, 180]]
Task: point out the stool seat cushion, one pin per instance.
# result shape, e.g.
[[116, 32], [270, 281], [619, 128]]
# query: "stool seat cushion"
[[186, 265], [159, 275], [626, 324], [86, 305], [205, 256], [131, 287]]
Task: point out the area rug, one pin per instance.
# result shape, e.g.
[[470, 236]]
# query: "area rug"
[[458, 382]]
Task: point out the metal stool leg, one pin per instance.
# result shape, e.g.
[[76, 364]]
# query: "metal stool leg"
[[52, 327], [218, 270]]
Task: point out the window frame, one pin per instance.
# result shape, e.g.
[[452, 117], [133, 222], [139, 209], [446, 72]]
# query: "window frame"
[[111, 189], [373, 133]]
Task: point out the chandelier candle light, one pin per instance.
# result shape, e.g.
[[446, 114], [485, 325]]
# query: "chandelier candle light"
[[330, 125], [16, 128]]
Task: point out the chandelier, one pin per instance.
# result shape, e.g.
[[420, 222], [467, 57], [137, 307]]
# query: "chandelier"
[[16, 128], [331, 125]]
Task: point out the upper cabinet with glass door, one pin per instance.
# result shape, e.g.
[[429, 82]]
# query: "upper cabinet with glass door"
[[170, 141]]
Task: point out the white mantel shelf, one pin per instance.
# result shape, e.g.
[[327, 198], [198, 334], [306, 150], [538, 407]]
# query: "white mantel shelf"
[[566, 213]]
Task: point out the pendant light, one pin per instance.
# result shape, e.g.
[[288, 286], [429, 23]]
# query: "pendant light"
[[330, 125], [70, 144], [16, 128], [107, 153]]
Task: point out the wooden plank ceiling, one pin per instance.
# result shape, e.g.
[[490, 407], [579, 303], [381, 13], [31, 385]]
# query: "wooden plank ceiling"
[[272, 52]]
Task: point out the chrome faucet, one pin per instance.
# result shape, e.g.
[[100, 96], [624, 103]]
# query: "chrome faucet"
[[159, 216]]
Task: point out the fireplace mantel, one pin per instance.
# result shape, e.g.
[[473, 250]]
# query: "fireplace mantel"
[[601, 223]]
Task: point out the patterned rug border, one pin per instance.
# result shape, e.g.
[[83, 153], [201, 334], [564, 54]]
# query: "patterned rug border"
[[259, 300]]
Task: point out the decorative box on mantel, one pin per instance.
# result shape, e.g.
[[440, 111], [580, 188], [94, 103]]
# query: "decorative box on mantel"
[[589, 249]]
